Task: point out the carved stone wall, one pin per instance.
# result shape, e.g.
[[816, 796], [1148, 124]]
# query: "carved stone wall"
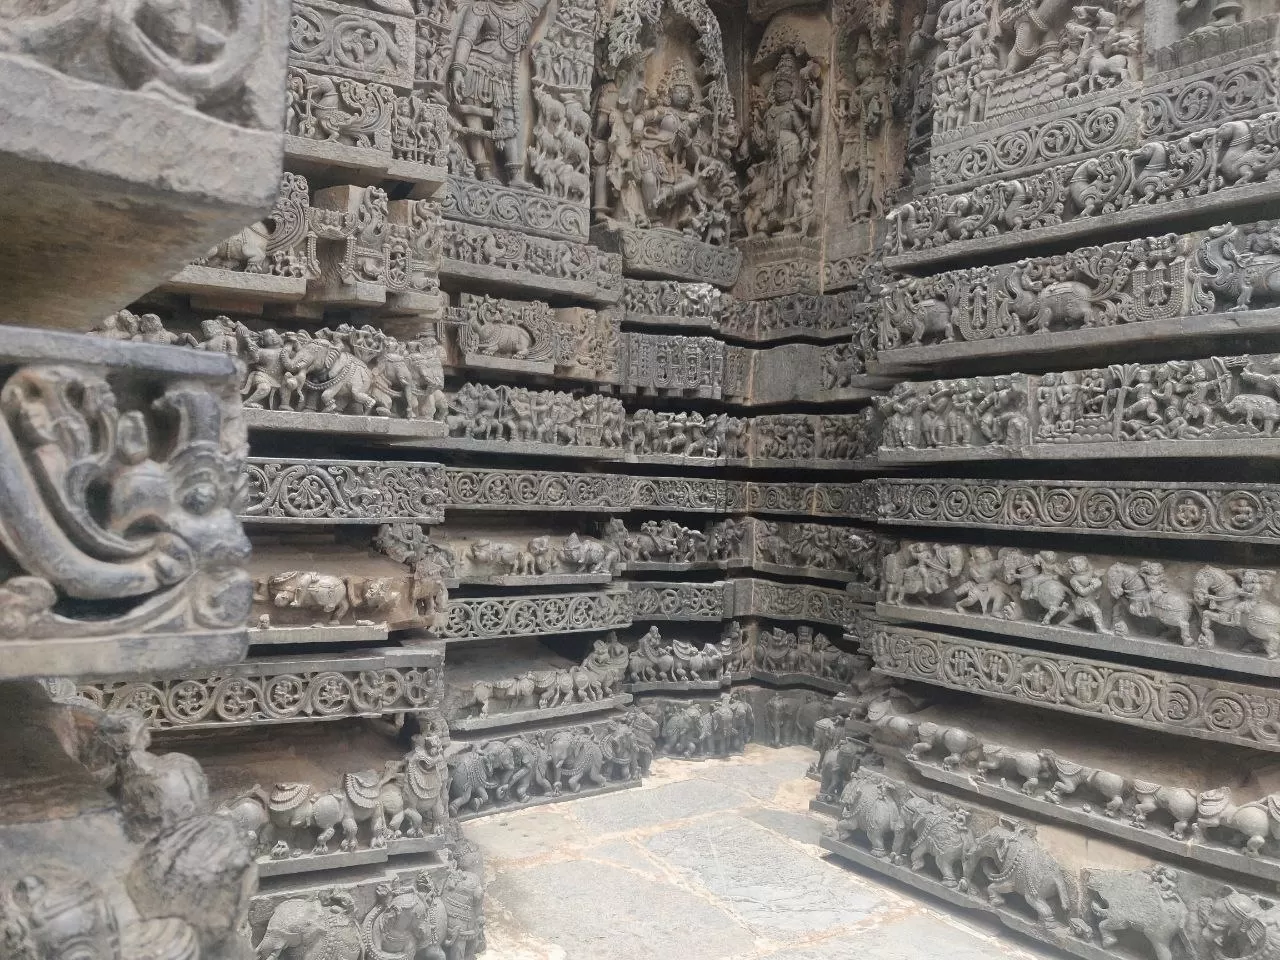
[[611, 371]]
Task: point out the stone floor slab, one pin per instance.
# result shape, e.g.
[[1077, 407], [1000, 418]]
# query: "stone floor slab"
[[593, 911], [649, 807], [778, 890]]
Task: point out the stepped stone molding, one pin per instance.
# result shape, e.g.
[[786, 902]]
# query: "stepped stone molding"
[[479, 618], [663, 253], [530, 265], [274, 691], [1214, 281], [1218, 406], [1211, 616], [344, 491], [1209, 825], [1162, 180], [121, 545], [521, 771], [979, 859], [1246, 512], [341, 246], [1170, 702]]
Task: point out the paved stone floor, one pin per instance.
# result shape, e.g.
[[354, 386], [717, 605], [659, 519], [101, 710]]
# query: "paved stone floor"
[[709, 860]]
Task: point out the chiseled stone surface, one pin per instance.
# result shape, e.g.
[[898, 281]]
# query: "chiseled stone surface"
[[707, 860]]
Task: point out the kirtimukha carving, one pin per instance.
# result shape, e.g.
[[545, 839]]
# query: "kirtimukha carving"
[[118, 511]]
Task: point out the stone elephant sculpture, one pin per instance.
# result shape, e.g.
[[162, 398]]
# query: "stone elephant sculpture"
[[313, 928]]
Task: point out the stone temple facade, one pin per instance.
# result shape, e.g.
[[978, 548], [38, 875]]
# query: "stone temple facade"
[[417, 409]]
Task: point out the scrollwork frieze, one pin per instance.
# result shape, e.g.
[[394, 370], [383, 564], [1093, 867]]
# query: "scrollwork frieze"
[[1174, 703], [477, 618]]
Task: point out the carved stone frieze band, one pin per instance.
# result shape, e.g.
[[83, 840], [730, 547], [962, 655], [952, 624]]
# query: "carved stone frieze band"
[[272, 691], [1175, 703], [1212, 824], [508, 259], [344, 491], [1248, 512], [478, 618], [1218, 406], [1229, 167]]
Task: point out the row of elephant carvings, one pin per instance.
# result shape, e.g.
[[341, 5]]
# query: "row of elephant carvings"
[[1000, 863], [1102, 595], [1236, 154], [423, 915], [1198, 816]]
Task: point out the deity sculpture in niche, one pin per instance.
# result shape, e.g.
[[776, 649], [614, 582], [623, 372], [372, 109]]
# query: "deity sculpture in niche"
[[663, 154], [783, 145], [864, 109]]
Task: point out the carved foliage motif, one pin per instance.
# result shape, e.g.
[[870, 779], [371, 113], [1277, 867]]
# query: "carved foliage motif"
[[271, 696], [1209, 709], [1218, 511], [465, 488], [474, 618], [335, 491]]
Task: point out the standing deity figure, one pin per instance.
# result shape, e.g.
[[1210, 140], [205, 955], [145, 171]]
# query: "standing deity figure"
[[483, 83], [664, 151], [783, 138]]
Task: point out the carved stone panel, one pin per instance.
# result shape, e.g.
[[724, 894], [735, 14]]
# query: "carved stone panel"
[[1219, 406], [122, 471], [1203, 614], [275, 691], [1208, 709], [1215, 511], [343, 491]]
